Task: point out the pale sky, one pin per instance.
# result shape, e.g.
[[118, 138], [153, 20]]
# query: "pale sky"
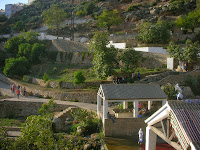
[[4, 2]]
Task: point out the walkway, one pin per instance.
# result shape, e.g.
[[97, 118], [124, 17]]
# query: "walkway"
[[5, 90]]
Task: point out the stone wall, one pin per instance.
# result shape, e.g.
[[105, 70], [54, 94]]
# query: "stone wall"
[[65, 85], [79, 95], [124, 126], [22, 109]]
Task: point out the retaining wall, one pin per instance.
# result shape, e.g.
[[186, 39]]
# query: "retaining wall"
[[124, 126]]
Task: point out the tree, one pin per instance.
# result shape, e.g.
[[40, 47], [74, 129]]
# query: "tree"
[[104, 58], [108, 18], [191, 51], [3, 57], [175, 51], [18, 26], [3, 18], [189, 21], [54, 17], [130, 59], [170, 91], [154, 33], [78, 78], [37, 51], [25, 50], [16, 66], [12, 45]]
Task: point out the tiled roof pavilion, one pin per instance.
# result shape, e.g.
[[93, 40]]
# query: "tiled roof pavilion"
[[184, 120], [128, 93]]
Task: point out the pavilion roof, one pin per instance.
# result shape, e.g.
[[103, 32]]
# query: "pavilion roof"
[[131, 91], [185, 119]]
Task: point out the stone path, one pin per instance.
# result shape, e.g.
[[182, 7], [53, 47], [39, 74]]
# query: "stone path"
[[5, 89]]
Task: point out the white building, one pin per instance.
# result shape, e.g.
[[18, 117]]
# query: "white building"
[[2, 11], [30, 1], [11, 9]]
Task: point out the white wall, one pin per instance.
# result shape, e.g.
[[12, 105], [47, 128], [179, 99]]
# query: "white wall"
[[117, 45], [159, 50]]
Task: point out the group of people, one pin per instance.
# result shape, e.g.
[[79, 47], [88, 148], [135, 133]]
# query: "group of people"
[[118, 80], [18, 90]]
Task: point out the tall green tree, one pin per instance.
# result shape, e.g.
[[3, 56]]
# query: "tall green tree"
[[25, 50], [54, 17], [104, 58], [3, 18], [16, 66], [37, 52], [108, 18], [189, 53], [130, 59], [155, 33], [189, 21]]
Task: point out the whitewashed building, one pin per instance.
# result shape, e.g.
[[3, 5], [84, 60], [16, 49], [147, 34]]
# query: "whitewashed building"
[[2, 12], [11, 9]]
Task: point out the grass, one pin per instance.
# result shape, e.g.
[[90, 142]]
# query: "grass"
[[11, 122]]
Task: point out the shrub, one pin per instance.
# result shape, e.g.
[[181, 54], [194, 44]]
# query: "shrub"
[[80, 13], [16, 66], [170, 91], [78, 78], [45, 77], [132, 7]]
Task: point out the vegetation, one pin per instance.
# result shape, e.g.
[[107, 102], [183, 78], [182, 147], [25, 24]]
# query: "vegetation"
[[170, 91], [193, 83], [130, 59], [104, 58], [155, 33], [54, 17], [3, 18], [189, 53], [108, 18], [78, 78], [45, 77]]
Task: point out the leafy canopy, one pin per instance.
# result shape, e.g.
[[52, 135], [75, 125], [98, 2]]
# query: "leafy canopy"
[[155, 33], [130, 59], [54, 17], [78, 78], [104, 58], [108, 18], [190, 52]]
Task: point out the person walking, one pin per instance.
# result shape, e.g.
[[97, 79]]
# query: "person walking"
[[140, 136], [18, 92], [138, 75], [24, 91]]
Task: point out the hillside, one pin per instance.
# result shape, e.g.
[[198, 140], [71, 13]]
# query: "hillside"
[[132, 12]]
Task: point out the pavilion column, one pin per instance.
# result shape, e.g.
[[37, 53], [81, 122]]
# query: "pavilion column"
[[149, 105], [151, 138], [98, 105], [125, 105], [164, 102], [105, 109], [135, 110]]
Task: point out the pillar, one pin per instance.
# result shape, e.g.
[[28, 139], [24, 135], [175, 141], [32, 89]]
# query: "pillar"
[[135, 110], [105, 109], [98, 105], [125, 105], [151, 139], [164, 102], [149, 105]]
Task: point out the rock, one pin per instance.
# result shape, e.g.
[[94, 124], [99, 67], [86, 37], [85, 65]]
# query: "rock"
[[94, 136], [84, 40], [79, 129], [87, 146]]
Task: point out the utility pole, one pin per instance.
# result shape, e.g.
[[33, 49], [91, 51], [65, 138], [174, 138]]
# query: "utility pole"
[[72, 21]]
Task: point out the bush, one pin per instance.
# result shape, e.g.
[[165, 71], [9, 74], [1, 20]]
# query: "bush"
[[3, 57], [45, 77], [170, 91], [16, 66], [132, 7], [78, 78]]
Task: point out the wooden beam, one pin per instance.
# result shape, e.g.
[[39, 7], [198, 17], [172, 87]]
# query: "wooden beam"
[[163, 128], [172, 135], [160, 134]]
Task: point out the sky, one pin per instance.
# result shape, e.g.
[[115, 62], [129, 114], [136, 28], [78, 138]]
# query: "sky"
[[4, 2]]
